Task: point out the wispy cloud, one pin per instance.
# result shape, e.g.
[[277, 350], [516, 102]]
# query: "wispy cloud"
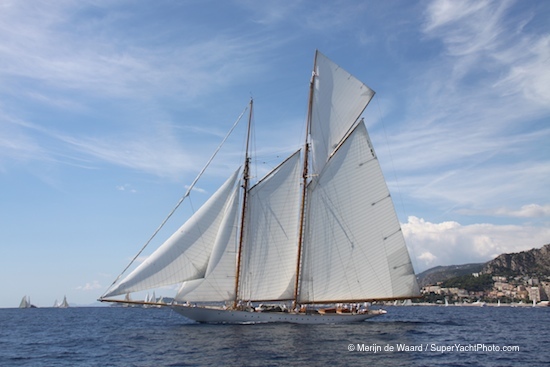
[[473, 134], [52, 57], [147, 155], [15, 143], [526, 211], [487, 40], [46, 43]]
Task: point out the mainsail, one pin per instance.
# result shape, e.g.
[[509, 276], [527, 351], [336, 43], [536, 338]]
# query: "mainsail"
[[353, 248], [319, 228]]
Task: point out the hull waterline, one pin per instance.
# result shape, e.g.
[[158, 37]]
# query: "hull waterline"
[[221, 316]]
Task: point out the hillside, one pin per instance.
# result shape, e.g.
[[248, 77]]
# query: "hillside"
[[443, 273], [532, 262]]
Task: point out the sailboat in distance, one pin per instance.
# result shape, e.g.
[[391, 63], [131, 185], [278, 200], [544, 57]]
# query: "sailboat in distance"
[[311, 242], [26, 302], [63, 304]]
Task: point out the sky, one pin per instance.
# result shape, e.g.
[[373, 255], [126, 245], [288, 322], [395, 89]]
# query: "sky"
[[109, 109]]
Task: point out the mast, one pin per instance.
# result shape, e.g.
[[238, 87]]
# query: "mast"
[[304, 183], [245, 194]]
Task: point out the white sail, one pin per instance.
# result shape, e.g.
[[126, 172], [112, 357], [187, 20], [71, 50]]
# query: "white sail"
[[25, 303], [64, 304], [353, 248], [218, 283], [328, 236], [270, 248], [185, 255], [338, 101]]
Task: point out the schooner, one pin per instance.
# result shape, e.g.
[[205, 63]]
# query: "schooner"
[[311, 242]]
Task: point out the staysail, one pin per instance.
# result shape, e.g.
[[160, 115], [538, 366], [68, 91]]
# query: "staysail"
[[218, 283], [270, 247], [185, 255]]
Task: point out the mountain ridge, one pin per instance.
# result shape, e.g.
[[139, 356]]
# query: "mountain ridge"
[[531, 262]]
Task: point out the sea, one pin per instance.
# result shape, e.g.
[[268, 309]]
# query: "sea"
[[405, 336]]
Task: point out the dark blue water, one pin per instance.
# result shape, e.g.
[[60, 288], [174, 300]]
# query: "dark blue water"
[[160, 337]]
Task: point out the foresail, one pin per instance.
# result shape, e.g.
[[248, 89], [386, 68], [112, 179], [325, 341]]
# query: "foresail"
[[353, 246], [185, 255], [218, 283], [338, 101], [270, 248]]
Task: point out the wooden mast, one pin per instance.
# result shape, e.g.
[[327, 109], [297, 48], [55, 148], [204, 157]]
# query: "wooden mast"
[[243, 212], [304, 184]]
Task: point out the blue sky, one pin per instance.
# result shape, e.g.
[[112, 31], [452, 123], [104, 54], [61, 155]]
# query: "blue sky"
[[108, 109]]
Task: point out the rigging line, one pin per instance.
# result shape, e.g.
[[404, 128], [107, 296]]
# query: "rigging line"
[[183, 197]]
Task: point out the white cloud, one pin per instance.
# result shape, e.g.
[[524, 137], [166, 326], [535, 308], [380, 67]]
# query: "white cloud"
[[427, 257], [126, 187], [197, 189], [451, 243], [94, 285]]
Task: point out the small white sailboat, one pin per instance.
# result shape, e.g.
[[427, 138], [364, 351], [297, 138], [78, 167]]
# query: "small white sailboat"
[[319, 229], [63, 304], [26, 302]]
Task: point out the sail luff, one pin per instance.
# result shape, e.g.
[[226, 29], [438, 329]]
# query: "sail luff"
[[304, 183], [243, 212]]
